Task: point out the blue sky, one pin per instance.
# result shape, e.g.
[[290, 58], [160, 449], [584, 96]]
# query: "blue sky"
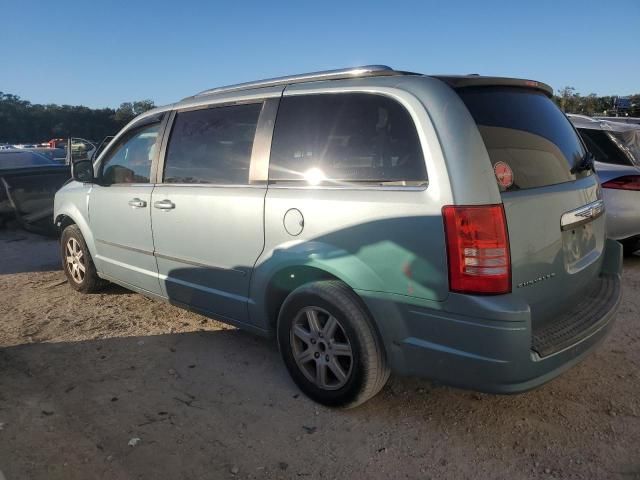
[[102, 53]]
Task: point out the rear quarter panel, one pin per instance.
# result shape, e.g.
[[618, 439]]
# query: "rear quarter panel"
[[383, 239]]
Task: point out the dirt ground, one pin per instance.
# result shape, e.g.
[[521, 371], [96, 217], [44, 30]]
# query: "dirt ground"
[[117, 386]]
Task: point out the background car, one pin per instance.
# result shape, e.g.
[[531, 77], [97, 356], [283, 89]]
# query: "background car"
[[20, 158], [616, 148], [25, 145], [57, 154], [28, 183], [632, 120]]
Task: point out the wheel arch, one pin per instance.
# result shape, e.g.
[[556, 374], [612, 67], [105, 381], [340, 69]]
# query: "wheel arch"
[[285, 281], [281, 270], [62, 221], [65, 218]]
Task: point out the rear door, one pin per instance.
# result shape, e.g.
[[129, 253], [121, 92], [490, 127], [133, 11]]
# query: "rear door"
[[207, 212], [553, 210]]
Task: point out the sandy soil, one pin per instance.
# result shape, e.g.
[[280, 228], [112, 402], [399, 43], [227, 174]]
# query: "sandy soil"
[[83, 377]]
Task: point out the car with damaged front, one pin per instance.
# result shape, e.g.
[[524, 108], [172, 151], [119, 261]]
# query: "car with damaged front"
[[371, 220], [28, 183], [616, 150]]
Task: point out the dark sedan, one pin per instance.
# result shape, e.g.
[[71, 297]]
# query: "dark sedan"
[[28, 183]]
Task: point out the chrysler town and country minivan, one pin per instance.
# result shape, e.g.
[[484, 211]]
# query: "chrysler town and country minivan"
[[372, 220]]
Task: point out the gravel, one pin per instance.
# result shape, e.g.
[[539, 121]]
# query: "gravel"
[[65, 357]]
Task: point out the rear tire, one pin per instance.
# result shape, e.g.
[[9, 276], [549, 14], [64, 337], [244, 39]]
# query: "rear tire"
[[329, 345], [77, 262]]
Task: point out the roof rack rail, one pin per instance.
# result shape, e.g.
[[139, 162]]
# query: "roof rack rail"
[[364, 71]]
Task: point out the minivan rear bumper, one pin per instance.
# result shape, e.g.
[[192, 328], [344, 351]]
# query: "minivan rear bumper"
[[492, 347]]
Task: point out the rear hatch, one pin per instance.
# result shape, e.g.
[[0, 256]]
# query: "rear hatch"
[[551, 201]]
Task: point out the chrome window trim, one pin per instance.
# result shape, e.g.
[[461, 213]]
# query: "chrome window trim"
[[209, 185], [400, 188], [120, 185]]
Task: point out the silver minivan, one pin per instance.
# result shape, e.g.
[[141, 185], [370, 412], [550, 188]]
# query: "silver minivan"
[[372, 220]]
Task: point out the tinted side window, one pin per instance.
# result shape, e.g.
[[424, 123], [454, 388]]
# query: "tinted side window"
[[130, 160], [524, 129], [212, 145], [600, 144], [13, 159], [345, 138]]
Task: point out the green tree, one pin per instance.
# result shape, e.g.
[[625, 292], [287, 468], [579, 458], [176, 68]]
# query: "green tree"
[[22, 121], [129, 110], [568, 99]]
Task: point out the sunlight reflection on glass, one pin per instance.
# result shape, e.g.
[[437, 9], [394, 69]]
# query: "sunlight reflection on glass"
[[314, 176]]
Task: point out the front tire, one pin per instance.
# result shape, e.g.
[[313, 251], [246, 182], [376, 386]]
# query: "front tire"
[[329, 345], [77, 262]]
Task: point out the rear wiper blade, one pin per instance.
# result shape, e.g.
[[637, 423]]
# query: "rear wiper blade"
[[584, 164]]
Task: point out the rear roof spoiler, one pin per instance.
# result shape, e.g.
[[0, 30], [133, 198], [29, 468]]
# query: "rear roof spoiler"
[[462, 81]]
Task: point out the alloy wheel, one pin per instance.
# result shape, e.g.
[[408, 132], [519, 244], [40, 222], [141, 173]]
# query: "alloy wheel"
[[75, 260], [321, 349]]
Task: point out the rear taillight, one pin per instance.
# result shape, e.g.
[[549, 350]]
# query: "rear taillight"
[[630, 182], [477, 249]]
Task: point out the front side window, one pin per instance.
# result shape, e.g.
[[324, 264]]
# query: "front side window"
[[130, 160], [212, 145], [345, 138]]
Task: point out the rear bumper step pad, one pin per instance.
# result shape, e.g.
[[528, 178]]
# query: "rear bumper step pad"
[[580, 322]]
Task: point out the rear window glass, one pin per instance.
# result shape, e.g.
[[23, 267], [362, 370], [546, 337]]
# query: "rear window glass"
[[603, 148], [525, 130], [345, 138], [629, 143]]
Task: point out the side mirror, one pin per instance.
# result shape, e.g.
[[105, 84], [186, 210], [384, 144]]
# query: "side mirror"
[[82, 171]]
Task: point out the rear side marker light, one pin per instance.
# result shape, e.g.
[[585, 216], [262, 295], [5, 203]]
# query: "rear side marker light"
[[630, 182], [477, 249]]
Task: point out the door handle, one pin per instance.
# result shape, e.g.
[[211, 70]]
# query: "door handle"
[[574, 218], [164, 204], [137, 203]]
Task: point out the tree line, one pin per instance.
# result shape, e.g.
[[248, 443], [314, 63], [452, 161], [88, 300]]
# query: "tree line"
[[571, 101], [22, 121]]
